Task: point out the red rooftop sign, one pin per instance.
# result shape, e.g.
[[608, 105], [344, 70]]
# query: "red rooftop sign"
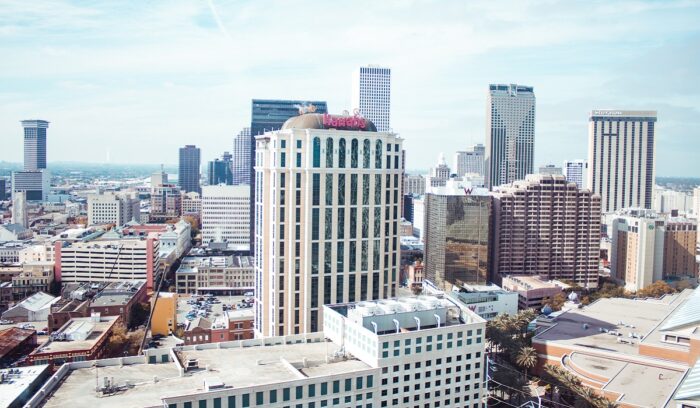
[[338, 122]]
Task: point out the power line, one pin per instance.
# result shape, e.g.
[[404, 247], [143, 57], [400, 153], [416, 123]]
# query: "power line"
[[527, 394]]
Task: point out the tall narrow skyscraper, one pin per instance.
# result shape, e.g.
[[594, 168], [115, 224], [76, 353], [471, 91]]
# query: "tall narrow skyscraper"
[[621, 158], [268, 115], [34, 144], [327, 227], [188, 170], [510, 133], [34, 179], [220, 171], [241, 157], [371, 94]]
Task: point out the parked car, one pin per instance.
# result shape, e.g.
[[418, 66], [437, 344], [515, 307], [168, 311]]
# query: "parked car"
[[42, 332], [5, 321]]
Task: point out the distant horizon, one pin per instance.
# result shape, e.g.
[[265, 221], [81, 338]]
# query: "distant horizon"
[[175, 165]]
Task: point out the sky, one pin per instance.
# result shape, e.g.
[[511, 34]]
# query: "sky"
[[131, 82]]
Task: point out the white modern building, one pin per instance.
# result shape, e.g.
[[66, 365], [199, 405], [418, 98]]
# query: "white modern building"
[[371, 94], [406, 352], [667, 200], [487, 301], [241, 157], [621, 158], [112, 208], [696, 202], [328, 194], [226, 215], [510, 133], [419, 217], [470, 161]]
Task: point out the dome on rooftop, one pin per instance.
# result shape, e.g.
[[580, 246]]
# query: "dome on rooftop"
[[316, 121]]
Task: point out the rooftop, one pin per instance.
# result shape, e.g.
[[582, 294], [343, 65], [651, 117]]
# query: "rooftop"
[[11, 338], [236, 367], [79, 327], [37, 301], [16, 381]]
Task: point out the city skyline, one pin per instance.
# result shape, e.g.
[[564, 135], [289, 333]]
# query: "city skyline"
[[82, 84]]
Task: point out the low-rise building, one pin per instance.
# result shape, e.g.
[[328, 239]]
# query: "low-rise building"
[[32, 309], [118, 298], [83, 338], [635, 352], [487, 301], [112, 208], [164, 315], [220, 275], [415, 275], [232, 325], [21, 383], [532, 290], [389, 353], [14, 232], [15, 343]]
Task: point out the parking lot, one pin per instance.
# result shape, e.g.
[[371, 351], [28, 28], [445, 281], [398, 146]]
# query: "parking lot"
[[187, 310]]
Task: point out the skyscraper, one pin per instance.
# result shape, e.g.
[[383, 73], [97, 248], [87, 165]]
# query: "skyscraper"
[[371, 95], [575, 172], [268, 115], [34, 144], [470, 161], [510, 133], [220, 171], [458, 237], [547, 226], [188, 170], [621, 157], [34, 179], [327, 219], [241, 157], [550, 170]]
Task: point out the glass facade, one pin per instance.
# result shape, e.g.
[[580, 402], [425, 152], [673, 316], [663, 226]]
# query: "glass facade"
[[458, 239]]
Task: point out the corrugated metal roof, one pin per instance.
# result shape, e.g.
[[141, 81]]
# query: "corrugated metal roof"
[[687, 314], [690, 388]]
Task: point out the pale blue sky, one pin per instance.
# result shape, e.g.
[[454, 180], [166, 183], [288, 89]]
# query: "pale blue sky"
[[134, 82]]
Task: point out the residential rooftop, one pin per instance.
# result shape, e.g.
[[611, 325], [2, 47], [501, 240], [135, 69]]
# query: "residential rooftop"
[[86, 331], [18, 381]]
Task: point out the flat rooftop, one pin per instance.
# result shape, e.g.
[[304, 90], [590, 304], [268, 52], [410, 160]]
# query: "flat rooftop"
[[17, 382], [639, 316], [98, 330], [236, 367]]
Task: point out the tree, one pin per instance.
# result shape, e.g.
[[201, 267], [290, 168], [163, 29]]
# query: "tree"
[[556, 302], [416, 289], [526, 358], [139, 314], [656, 289]]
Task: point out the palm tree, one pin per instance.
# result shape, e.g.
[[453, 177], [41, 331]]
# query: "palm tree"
[[526, 358]]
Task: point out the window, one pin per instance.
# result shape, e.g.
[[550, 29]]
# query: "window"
[[378, 154], [348, 384], [202, 403], [259, 398], [285, 394], [341, 153], [317, 152], [353, 153], [312, 390], [329, 153], [365, 153], [300, 392]]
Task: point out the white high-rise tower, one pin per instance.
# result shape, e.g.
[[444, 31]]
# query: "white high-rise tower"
[[621, 158], [371, 94], [510, 133], [327, 203]]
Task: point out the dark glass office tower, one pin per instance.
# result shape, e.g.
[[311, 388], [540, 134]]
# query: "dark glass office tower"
[[267, 115], [188, 170], [458, 239], [220, 171], [34, 144]]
